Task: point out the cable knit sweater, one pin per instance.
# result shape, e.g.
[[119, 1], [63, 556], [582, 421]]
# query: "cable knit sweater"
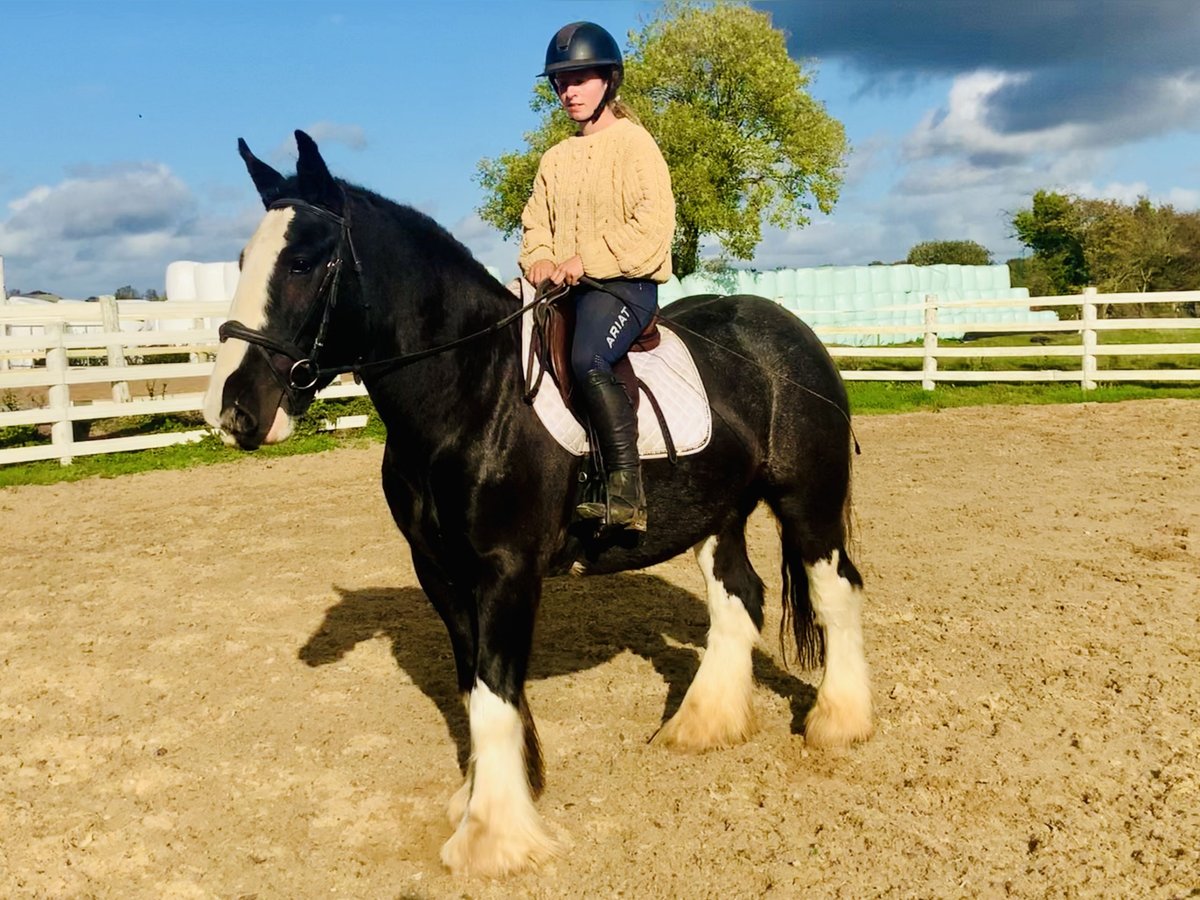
[[606, 197]]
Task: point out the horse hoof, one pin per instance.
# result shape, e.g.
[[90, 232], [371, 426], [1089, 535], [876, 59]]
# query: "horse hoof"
[[690, 731], [475, 849], [828, 726]]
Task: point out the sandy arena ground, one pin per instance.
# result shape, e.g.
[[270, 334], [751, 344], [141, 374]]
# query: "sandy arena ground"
[[225, 682]]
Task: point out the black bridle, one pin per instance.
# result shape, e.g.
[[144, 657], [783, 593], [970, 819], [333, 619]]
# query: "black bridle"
[[306, 371]]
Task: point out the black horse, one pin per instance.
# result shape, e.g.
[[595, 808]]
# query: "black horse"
[[336, 279]]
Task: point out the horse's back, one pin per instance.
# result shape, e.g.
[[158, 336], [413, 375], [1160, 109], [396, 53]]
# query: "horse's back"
[[744, 335]]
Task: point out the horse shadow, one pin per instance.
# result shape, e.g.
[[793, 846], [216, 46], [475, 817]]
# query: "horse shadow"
[[582, 624]]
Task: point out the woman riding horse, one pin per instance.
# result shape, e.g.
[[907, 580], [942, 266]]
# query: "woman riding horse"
[[601, 207]]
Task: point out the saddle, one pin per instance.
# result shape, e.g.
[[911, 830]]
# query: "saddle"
[[550, 345], [676, 420]]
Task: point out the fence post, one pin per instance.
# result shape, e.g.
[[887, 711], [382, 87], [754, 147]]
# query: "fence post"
[[61, 433], [1088, 370], [929, 366], [3, 302], [194, 356], [111, 320]]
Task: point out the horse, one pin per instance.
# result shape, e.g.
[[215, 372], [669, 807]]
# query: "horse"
[[337, 278]]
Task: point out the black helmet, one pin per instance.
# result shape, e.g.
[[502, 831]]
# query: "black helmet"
[[583, 45]]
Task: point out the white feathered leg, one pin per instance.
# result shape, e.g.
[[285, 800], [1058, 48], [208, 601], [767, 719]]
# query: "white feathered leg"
[[499, 830], [842, 713], [716, 712]]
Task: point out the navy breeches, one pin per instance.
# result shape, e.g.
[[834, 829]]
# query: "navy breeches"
[[606, 326]]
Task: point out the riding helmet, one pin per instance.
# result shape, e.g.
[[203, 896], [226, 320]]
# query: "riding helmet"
[[584, 45]]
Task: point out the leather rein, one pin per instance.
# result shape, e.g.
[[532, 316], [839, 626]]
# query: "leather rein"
[[306, 370]]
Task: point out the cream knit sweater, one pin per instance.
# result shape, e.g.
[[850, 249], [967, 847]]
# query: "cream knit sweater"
[[606, 197]]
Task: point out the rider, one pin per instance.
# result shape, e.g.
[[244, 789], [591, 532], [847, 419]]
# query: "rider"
[[601, 207]]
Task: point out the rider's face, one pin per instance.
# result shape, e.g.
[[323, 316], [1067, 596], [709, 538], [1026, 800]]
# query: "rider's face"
[[581, 91]]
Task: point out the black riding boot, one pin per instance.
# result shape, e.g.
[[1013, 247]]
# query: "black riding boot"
[[615, 425]]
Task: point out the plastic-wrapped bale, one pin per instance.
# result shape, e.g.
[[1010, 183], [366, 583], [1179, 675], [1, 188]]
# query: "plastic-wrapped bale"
[[823, 282], [971, 276], [806, 282], [880, 279], [747, 282], [939, 277], [902, 277], [766, 286], [862, 280], [823, 310], [843, 280], [670, 292], [697, 284], [210, 282], [785, 284], [181, 280], [232, 274]]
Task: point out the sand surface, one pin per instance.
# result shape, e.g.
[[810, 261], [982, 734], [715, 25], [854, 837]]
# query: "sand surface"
[[225, 682]]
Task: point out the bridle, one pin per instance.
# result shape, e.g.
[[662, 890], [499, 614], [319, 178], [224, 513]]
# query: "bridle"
[[306, 371]]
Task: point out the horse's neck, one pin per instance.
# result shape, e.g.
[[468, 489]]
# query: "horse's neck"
[[468, 384]]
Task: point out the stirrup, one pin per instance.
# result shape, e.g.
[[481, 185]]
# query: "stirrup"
[[624, 505]]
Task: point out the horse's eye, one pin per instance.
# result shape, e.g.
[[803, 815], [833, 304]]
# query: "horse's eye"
[[301, 266]]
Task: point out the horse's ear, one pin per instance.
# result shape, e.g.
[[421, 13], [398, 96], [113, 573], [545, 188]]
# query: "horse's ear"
[[316, 184], [268, 182]]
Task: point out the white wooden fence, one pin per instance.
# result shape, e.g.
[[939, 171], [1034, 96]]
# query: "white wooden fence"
[[49, 337], [38, 359], [1088, 325]]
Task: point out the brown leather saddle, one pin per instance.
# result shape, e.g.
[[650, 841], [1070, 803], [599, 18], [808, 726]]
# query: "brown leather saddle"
[[550, 345]]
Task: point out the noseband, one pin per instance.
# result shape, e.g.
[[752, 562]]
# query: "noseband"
[[305, 371]]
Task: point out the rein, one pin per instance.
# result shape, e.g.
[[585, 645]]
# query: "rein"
[[306, 370]]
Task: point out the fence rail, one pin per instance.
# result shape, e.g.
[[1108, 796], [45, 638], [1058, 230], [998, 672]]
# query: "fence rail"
[[50, 354]]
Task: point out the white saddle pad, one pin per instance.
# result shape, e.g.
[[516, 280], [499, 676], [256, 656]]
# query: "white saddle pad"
[[669, 372]]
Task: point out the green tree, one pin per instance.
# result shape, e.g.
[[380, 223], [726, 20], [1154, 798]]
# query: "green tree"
[[1029, 272], [1052, 230], [961, 253], [126, 292], [744, 140], [1182, 273], [1112, 245]]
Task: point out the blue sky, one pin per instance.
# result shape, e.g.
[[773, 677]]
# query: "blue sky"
[[120, 119]]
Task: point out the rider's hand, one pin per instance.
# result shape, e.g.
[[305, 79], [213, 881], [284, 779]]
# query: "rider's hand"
[[570, 271], [540, 271]]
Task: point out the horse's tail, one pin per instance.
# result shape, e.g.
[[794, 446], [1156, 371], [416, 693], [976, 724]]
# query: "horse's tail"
[[805, 537], [798, 614]]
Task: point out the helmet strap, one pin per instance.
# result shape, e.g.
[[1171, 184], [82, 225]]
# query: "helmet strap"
[[603, 100]]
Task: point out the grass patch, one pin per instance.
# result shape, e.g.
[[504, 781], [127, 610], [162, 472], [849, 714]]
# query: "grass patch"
[[1033, 362], [877, 397], [866, 398], [307, 438]]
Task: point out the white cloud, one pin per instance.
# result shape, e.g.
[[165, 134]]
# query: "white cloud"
[[488, 245], [352, 136], [966, 124], [101, 228], [961, 127], [323, 132], [1182, 198]]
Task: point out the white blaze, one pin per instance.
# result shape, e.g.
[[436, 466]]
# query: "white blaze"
[[249, 301]]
